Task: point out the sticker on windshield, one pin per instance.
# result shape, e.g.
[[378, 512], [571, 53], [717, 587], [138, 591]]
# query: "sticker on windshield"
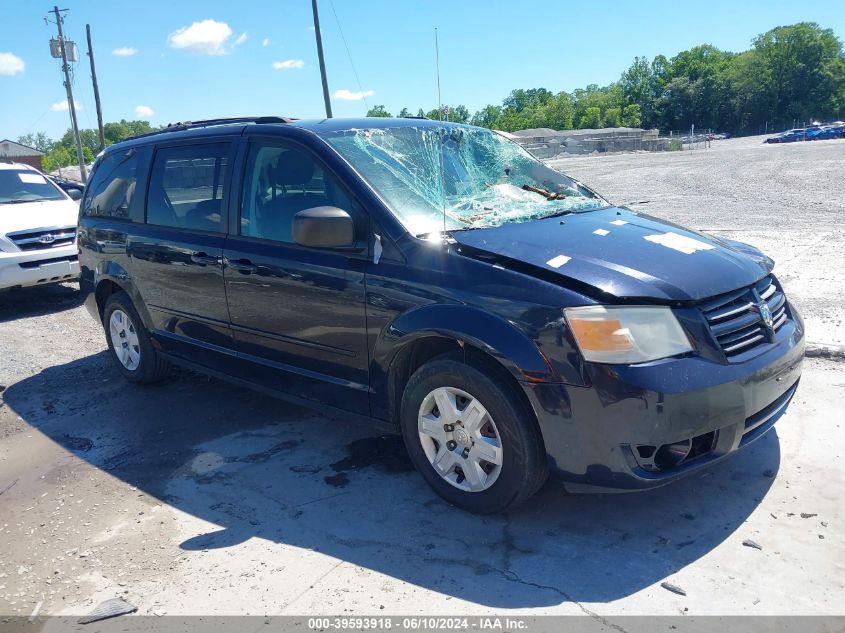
[[678, 242], [601, 232], [619, 222], [35, 179], [557, 262]]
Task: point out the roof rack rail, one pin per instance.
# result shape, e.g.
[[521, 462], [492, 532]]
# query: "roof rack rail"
[[188, 125]]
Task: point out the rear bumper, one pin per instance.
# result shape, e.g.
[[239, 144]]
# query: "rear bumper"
[[616, 435], [31, 268]]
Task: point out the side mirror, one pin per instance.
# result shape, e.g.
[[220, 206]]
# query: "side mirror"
[[74, 194], [324, 227]]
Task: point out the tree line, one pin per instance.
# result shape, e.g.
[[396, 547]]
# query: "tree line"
[[62, 153], [790, 75]]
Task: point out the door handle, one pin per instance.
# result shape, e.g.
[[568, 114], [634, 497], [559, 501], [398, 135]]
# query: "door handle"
[[204, 259], [243, 266]]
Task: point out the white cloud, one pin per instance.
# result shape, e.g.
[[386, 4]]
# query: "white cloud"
[[61, 106], [348, 95], [11, 64], [125, 51], [208, 37], [288, 63], [144, 112], [265, 42], [241, 39]]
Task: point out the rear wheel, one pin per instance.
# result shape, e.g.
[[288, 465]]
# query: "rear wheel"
[[471, 438], [129, 342]]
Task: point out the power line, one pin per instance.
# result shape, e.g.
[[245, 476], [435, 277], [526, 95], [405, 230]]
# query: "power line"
[[348, 54]]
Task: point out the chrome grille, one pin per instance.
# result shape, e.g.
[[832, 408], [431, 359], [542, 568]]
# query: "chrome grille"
[[735, 318], [43, 239]]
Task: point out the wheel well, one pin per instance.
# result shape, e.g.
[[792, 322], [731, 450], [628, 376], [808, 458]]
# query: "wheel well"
[[421, 351], [105, 289]]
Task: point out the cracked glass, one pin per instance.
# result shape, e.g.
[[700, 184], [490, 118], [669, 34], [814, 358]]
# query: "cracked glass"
[[451, 178]]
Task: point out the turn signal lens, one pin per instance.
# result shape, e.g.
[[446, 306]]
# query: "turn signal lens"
[[610, 334], [601, 336]]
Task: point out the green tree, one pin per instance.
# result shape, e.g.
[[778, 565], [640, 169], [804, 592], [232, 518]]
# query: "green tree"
[[803, 71], [487, 117], [631, 115], [612, 117], [591, 118], [404, 113], [378, 111], [38, 140], [58, 157]]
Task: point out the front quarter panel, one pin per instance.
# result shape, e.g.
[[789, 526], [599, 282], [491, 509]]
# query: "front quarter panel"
[[513, 317]]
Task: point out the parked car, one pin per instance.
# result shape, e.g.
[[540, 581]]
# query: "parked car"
[[790, 136], [826, 132], [37, 229], [72, 188], [508, 320]]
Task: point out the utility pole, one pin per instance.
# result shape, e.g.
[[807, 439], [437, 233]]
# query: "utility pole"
[[96, 89], [83, 173], [322, 61]]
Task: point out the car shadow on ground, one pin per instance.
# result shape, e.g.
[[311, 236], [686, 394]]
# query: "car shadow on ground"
[[259, 467], [19, 303]]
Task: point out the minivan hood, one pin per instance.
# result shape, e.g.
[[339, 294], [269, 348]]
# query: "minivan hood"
[[37, 215], [625, 254]]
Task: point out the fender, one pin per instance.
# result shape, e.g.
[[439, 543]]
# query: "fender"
[[109, 270], [464, 324]]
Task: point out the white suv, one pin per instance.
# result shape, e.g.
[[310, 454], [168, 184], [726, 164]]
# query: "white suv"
[[37, 229]]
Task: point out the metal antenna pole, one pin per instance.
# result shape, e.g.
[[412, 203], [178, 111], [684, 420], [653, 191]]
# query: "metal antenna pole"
[[437, 65], [322, 60], [83, 172], [96, 89]]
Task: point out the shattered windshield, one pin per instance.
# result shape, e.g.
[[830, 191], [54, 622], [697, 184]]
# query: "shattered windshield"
[[450, 177]]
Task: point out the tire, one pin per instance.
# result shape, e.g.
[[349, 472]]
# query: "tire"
[[135, 357], [505, 431]]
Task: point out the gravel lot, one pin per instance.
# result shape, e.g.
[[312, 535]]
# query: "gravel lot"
[[196, 497]]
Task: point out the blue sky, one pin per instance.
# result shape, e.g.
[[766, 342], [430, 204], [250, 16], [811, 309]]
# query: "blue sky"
[[186, 59]]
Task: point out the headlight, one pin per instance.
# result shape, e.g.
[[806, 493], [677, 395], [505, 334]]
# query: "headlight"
[[626, 335]]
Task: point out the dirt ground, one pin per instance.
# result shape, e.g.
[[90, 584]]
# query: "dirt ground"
[[197, 497]]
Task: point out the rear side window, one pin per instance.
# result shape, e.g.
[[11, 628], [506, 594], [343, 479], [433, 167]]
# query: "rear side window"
[[188, 186], [112, 190]]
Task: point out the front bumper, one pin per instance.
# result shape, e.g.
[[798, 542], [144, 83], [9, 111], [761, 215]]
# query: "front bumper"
[[31, 268], [600, 438]]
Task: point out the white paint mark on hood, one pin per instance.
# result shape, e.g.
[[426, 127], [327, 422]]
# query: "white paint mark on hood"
[[557, 262], [679, 242]]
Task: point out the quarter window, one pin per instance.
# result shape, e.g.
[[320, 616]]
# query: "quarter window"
[[112, 189], [280, 182], [188, 186]]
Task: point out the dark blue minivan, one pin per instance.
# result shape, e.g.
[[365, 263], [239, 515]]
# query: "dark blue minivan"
[[509, 321]]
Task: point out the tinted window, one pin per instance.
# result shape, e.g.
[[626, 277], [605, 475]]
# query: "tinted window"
[[280, 182], [112, 188], [188, 186]]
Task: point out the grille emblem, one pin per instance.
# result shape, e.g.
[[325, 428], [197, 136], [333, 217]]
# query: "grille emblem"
[[46, 239], [766, 314]]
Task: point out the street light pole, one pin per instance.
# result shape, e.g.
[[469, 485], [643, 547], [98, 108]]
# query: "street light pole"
[[83, 173], [322, 61]]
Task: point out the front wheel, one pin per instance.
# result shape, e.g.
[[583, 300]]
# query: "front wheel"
[[129, 343], [471, 438]]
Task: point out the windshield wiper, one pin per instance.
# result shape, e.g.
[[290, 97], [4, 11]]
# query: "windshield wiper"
[[18, 201]]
